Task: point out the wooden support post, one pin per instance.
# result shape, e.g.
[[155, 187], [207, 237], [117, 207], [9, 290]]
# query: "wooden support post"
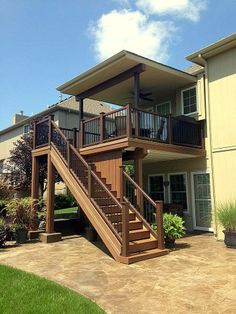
[[34, 192], [74, 137], [50, 196], [136, 90], [102, 127], [49, 130], [128, 121], [125, 229], [81, 134], [159, 221], [138, 171], [170, 129]]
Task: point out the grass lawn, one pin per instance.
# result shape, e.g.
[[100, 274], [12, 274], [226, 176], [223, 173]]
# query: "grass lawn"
[[70, 210], [23, 293]]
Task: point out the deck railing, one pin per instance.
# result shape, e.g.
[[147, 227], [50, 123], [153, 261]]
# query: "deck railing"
[[130, 122]]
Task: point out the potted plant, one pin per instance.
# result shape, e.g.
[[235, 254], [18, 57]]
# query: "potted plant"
[[19, 217], [21, 233], [173, 226], [226, 214]]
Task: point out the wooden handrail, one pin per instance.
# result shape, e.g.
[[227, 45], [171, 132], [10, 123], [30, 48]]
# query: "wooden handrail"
[[92, 119], [91, 173], [139, 188], [137, 213]]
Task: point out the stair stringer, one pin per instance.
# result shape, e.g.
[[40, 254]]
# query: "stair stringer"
[[105, 233]]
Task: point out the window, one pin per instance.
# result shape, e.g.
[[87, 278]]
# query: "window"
[[178, 190], [156, 188], [189, 100], [26, 129], [164, 108]]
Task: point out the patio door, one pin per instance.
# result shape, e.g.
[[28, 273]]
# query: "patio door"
[[202, 208]]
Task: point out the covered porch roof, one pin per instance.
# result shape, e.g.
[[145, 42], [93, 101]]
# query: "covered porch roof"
[[112, 80]]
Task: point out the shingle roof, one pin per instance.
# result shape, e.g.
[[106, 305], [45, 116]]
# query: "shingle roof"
[[91, 108]]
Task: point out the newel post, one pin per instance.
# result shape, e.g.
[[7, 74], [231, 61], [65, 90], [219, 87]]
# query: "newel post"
[[159, 222], [125, 228]]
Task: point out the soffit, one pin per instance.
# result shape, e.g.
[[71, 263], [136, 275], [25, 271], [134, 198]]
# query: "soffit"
[[157, 78]]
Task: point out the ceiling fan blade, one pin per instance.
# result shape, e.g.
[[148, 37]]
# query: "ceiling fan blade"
[[146, 94], [146, 98]]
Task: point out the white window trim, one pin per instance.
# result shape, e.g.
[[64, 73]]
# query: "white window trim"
[[164, 102], [157, 175], [195, 227], [182, 101], [186, 211]]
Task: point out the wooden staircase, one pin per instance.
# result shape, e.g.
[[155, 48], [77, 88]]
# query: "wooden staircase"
[[124, 231]]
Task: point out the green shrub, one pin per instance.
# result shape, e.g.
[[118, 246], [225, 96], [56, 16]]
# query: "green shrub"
[[19, 212], [173, 227], [226, 214], [64, 201]]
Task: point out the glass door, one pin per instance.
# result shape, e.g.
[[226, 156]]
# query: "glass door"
[[202, 201]]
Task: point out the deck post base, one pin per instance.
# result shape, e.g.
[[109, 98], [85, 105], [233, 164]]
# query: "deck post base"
[[34, 234], [50, 237]]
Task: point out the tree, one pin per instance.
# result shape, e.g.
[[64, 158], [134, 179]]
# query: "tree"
[[20, 165]]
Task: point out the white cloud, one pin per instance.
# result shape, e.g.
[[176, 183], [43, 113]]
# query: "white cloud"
[[133, 31], [188, 9]]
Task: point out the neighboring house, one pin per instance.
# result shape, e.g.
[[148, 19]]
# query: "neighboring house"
[[66, 115], [179, 132]]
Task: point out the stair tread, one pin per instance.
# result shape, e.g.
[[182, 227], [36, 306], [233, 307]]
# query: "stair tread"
[[143, 241], [144, 255]]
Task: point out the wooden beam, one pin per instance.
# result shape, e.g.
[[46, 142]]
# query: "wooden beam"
[[50, 196], [113, 81], [136, 90]]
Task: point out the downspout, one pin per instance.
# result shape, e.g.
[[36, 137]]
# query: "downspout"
[[209, 128]]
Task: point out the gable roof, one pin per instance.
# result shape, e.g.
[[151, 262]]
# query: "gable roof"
[[166, 76]]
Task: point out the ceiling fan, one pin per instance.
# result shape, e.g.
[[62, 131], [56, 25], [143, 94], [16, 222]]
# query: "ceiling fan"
[[142, 95]]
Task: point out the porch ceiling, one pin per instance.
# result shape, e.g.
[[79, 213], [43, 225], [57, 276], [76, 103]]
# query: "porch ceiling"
[[158, 78], [155, 156]]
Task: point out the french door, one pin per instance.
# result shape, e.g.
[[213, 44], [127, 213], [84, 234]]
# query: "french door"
[[202, 208]]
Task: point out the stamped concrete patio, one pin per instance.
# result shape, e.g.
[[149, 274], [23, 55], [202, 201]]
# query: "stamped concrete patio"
[[198, 277]]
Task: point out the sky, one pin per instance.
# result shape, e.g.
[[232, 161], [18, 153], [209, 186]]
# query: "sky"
[[44, 43]]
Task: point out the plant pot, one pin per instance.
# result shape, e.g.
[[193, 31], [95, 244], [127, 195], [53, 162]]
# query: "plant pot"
[[230, 238], [169, 242], [21, 235]]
